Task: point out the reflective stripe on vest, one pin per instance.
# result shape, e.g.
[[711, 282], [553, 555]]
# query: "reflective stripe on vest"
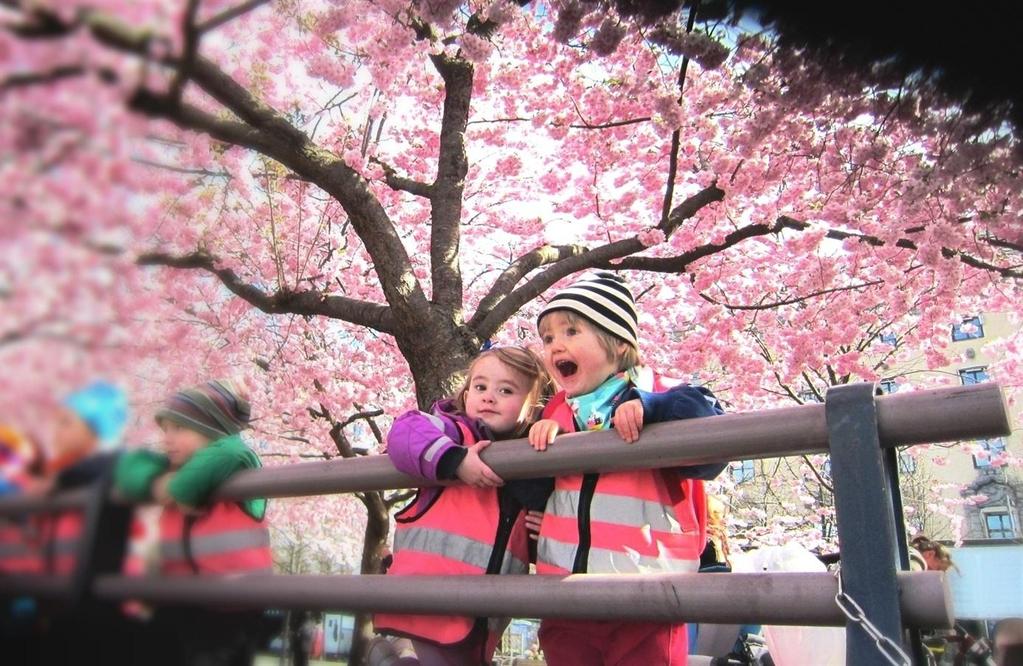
[[619, 510], [602, 560], [472, 552], [225, 539], [17, 553], [454, 535], [62, 536]]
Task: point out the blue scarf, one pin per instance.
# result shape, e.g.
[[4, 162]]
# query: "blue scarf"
[[593, 410]]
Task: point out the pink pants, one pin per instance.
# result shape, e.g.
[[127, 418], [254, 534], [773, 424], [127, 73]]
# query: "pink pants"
[[591, 643]]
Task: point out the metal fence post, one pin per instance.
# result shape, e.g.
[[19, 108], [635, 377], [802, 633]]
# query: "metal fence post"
[[103, 542], [865, 514]]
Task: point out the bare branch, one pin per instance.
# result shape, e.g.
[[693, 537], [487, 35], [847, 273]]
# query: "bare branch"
[[367, 415], [229, 15], [580, 260], [179, 169], [396, 182], [377, 434], [506, 281], [372, 315], [189, 52], [616, 123], [26, 79], [790, 301], [399, 497]]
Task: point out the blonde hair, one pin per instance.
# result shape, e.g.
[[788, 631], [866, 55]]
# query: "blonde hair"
[[526, 363], [610, 343]]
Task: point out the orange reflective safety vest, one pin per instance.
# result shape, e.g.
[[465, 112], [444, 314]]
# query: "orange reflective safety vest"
[[221, 540], [60, 539], [19, 546], [460, 530], [19, 553], [639, 521]]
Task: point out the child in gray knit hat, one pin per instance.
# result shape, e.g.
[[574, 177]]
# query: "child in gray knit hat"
[[200, 534]]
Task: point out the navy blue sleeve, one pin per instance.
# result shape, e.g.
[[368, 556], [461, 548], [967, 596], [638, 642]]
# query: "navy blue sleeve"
[[683, 402]]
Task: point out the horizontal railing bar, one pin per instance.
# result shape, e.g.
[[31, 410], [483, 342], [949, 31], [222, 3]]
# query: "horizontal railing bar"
[[35, 585], [802, 599], [68, 499], [937, 415]]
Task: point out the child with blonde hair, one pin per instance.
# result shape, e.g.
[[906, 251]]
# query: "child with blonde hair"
[[476, 526]]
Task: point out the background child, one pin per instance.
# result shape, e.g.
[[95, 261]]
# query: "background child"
[[203, 448], [620, 522], [451, 530]]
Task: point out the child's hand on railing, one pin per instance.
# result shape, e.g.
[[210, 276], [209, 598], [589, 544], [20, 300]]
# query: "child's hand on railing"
[[474, 472], [628, 420], [533, 520], [542, 433]]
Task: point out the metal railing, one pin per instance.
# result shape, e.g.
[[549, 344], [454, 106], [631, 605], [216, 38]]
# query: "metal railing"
[[860, 429]]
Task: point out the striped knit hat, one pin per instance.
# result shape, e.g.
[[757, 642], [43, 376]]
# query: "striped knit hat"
[[214, 409], [605, 301]]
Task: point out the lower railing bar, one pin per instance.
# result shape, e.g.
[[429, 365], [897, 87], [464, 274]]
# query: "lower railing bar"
[[759, 598], [35, 585]]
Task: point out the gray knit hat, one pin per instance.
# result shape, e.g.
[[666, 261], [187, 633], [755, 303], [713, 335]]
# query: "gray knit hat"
[[214, 409], [605, 301]]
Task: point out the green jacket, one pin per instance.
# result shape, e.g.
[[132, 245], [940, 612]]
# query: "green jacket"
[[193, 484]]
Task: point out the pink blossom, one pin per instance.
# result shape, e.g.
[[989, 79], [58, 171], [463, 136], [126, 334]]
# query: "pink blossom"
[[475, 48]]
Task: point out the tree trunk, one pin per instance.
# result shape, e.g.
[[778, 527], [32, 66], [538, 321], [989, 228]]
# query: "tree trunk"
[[437, 354], [377, 528]]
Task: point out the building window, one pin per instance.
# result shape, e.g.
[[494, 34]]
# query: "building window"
[[888, 386], [998, 525], [889, 339], [991, 447], [970, 329], [973, 375], [743, 471]]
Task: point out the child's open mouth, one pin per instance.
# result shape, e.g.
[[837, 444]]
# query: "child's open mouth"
[[566, 368]]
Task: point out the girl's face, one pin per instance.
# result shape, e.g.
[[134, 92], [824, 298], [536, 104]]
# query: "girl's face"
[[496, 395], [181, 443]]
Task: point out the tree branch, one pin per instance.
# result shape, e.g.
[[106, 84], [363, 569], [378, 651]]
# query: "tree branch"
[[229, 15], [265, 130], [506, 281], [506, 304], [616, 123], [669, 188], [362, 313], [26, 79], [790, 301], [396, 182]]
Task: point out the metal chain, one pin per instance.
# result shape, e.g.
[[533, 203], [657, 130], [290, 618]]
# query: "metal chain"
[[888, 649]]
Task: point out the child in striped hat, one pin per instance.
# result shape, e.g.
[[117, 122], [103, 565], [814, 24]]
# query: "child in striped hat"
[[200, 534], [618, 522]]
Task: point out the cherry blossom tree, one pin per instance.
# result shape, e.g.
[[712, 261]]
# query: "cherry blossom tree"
[[344, 200]]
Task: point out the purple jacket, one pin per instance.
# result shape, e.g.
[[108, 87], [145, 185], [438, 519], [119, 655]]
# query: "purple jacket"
[[417, 440]]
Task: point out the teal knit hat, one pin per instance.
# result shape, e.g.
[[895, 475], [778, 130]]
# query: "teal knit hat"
[[104, 408], [215, 409]]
